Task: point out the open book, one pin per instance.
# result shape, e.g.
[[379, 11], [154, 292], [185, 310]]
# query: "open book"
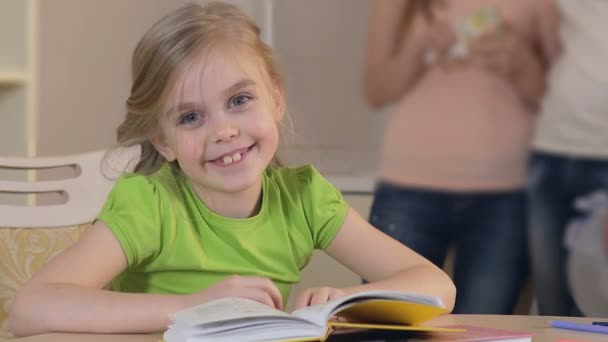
[[238, 319]]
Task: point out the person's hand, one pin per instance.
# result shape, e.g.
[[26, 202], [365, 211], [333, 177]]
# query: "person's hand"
[[318, 295], [435, 40], [502, 50], [260, 289]]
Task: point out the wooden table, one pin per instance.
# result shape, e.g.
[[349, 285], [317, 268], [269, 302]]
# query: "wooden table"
[[533, 324]]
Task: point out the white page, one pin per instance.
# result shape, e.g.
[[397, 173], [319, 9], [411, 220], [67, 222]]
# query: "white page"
[[225, 309], [247, 326], [278, 331]]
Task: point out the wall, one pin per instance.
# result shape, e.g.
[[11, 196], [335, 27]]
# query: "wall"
[[321, 46]]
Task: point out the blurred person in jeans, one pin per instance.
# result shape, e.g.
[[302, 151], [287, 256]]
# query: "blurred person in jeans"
[[570, 147], [586, 240], [454, 158]]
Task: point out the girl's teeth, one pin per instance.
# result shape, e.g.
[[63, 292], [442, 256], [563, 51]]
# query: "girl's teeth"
[[231, 159]]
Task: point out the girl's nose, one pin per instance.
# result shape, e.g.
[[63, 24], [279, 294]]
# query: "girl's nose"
[[225, 131]]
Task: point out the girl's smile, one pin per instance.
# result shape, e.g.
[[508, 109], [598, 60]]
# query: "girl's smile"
[[232, 158]]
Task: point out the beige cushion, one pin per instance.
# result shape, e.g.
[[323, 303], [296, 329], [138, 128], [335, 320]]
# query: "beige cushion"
[[23, 251]]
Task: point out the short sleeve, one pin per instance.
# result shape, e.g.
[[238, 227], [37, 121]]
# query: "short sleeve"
[[324, 206], [132, 211]]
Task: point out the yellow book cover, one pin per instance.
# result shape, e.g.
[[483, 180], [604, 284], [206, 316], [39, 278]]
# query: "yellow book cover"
[[238, 319]]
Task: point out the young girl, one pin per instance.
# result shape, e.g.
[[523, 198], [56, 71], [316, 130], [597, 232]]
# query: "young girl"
[[208, 212], [454, 160]]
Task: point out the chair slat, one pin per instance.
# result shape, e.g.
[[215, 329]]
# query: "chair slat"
[[86, 193], [49, 162], [33, 187]]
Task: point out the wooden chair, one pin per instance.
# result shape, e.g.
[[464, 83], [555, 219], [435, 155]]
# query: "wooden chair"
[[30, 235]]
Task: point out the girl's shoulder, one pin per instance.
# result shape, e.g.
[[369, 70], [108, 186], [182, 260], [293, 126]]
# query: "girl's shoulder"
[[163, 181], [305, 179], [299, 175]]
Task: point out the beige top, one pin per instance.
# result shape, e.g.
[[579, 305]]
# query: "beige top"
[[574, 115], [464, 129]]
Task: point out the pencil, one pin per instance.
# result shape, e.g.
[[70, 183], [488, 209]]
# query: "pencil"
[[579, 326]]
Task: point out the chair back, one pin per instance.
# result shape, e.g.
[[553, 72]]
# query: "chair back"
[[83, 194]]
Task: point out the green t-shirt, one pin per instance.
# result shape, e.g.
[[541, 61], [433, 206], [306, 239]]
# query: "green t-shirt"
[[175, 244]]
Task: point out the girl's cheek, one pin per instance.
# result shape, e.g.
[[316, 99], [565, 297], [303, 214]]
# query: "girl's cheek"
[[193, 148], [189, 146]]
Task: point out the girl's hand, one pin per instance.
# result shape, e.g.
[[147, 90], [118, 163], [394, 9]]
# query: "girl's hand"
[[259, 289], [318, 295], [502, 50]]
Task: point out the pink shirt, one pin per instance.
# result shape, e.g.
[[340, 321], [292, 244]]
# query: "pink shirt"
[[465, 129]]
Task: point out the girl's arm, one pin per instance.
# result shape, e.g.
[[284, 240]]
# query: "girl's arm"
[[384, 262], [68, 295], [393, 62]]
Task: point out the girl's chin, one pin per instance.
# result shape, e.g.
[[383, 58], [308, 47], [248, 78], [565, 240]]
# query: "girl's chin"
[[238, 184]]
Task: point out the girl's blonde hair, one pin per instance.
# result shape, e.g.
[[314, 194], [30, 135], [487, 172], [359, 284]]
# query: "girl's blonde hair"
[[164, 49]]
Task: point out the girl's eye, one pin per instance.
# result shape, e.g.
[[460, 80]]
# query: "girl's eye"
[[239, 100], [190, 118]]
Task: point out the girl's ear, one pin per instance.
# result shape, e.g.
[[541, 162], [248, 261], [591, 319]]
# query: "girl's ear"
[[278, 96], [160, 144]]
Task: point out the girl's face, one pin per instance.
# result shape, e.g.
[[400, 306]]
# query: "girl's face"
[[221, 125]]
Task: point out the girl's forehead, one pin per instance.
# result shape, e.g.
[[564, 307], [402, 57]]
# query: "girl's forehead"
[[210, 74]]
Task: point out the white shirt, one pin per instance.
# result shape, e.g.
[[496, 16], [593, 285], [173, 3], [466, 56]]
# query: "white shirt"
[[574, 112]]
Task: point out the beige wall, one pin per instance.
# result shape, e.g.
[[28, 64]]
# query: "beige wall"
[[84, 53], [320, 45], [13, 60]]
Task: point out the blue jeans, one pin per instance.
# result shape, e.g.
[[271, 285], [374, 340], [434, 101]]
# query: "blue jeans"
[[486, 229], [554, 183]]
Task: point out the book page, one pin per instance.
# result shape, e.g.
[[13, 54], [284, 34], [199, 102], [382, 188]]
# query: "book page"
[[317, 314], [226, 309], [320, 313]]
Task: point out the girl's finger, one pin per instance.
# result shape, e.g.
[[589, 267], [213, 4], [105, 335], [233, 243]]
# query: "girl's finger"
[[260, 296], [274, 293], [321, 295], [268, 286], [303, 299]]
